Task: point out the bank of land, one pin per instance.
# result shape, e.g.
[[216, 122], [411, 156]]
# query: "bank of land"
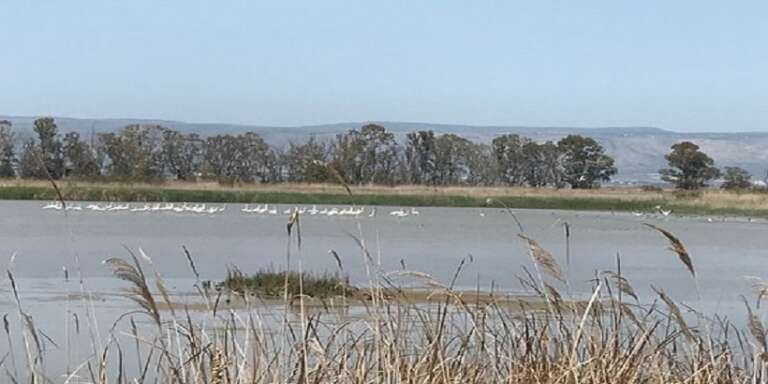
[[705, 202]]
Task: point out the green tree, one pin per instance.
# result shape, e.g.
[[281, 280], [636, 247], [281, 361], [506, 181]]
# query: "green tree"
[[222, 157], [419, 157], [181, 154], [242, 158], [79, 158], [510, 158], [30, 166], [542, 165], [306, 162], [689, 168], [736, 178], [452, 159], [481, 164], [368, 155], [7, 150], [50, 148], [585, 164], [134, 153]]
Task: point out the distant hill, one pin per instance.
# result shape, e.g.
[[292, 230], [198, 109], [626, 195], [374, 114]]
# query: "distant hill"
[[639, 151]]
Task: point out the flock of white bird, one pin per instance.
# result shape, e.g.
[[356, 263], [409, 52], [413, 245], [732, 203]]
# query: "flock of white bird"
[[659, 209], [156, 207], [202, 208]]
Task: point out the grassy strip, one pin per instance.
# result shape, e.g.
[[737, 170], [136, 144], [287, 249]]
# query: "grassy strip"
[[161, 194], [272, 284]]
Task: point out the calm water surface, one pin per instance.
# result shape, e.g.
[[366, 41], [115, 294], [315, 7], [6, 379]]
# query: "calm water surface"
[[724, 252]]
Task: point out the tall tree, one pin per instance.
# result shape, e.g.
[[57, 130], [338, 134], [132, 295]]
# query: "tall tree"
[[257, 160], [50, 148], [30, 166], [689, 168], [452, 159], [510, 158], [543, 164], [482, 165], [79, 158], [134, 153], [222, 157], [585, 164], [419, 157], [181, 154], [7, 150], [379, 157], [244, 158], [736, 178], [307, 162], [366, 156]]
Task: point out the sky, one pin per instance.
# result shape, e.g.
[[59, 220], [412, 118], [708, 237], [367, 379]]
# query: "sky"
[[679, 65]]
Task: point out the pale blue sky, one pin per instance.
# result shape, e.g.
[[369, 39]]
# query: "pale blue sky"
[[681, 65]]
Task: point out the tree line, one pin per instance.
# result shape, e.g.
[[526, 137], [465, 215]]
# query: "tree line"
[[370, 154]]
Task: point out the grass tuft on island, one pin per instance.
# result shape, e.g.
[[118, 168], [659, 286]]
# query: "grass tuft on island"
[[710, 202], [272, 284]]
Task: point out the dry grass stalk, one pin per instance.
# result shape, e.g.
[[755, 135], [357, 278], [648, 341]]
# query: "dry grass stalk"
[[293, 220], [674, 311], [622, 283], [760, 287], [543, 258], [676, 246], [140, 290], [755, 327]]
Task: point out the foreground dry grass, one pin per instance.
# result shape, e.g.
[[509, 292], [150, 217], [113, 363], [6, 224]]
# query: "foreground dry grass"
[[609, 337]]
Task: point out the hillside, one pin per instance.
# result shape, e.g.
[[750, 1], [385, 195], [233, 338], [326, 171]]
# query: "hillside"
[[639, 151]]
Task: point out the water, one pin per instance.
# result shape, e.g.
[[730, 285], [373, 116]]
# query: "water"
[[433, 242], [723, 251], [44, 242]]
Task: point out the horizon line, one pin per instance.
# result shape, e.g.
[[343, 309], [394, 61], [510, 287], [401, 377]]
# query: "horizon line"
[[382, 122]]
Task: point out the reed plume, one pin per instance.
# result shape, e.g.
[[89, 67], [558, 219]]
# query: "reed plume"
[[676, 246], [543, 258]]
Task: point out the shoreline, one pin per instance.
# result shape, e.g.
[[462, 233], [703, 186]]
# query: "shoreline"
[[704, 203]]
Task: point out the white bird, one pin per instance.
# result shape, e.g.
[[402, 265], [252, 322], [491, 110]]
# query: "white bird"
[[638, 214], [414, 211], [53, 205], [665, 213], [372, 213], [141, 209], [118, 207], [399, 213], [96, 207], [74, 208]]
